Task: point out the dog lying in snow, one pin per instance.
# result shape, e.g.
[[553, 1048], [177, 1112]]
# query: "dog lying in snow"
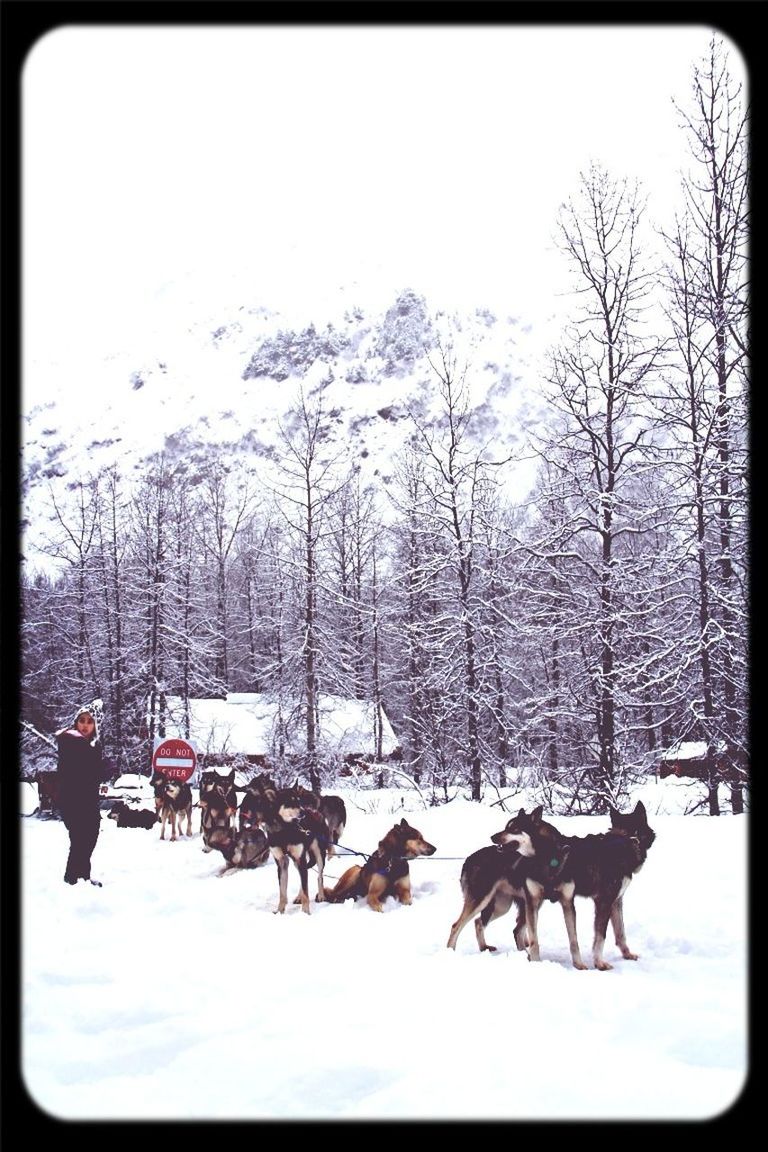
[[246, 849], [385, 872], [127, 817]]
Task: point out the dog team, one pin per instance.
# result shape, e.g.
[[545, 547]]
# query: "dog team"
[[528, 861]]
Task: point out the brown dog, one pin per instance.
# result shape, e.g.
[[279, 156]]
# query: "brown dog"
[[386, 872]]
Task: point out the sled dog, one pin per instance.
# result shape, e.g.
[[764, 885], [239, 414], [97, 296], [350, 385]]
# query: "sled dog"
[[386, 871], [525, 858], [297, 834]]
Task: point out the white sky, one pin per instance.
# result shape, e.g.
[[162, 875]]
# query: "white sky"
[[297, 159], [174, 993]]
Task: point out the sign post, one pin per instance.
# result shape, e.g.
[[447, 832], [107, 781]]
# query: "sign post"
[[176, 759]]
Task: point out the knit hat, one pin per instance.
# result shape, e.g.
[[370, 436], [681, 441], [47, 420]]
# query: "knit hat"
[[94, 709]]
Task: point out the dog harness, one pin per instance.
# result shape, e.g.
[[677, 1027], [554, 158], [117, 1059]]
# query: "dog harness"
[[382, 868], [394, 866], [311, 833]]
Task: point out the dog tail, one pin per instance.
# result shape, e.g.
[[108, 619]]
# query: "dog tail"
[[345, 887]]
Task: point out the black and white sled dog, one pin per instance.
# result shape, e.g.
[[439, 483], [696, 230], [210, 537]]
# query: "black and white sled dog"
[[258, 802], [525, 861], [331, 808], [173, 800], [217, 800], [599, 866], [299, 834]]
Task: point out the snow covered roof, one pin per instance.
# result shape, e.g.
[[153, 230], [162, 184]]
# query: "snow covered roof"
[[247, 723], [689, 750]]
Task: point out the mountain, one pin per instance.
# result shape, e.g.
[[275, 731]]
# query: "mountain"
[[225, 382]]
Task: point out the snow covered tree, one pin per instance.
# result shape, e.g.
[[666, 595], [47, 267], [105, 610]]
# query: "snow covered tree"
[[172, 651], [454, 485], [597, 447], [353, 528], [74, 544], [307, 483], [223, 507], [112, 545], [704, 411]]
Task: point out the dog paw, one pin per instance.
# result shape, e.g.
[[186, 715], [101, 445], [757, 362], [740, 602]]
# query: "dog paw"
[[603, 966]]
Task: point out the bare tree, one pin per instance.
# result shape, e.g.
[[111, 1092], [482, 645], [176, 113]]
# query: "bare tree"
[[111, 530], [308, 482], [74, 544], [705, 405], [599, 376], [221, 511], [457, 481], [353, 528], [258, 588]]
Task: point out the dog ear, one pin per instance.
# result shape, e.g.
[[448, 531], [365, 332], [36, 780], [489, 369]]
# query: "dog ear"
[[640, 811], [537, 813], [614, 814]]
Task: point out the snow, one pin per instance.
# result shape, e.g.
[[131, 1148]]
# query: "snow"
[[174, 993], [689, 750], [247, 723], [132, 788]]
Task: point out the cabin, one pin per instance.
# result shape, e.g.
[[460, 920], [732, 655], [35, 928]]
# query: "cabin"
[[689, 758], [264, 730]]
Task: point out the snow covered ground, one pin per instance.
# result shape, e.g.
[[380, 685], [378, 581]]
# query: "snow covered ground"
[[174, 993]]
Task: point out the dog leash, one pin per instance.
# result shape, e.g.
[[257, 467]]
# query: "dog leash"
[[411, 860], [352, 852]]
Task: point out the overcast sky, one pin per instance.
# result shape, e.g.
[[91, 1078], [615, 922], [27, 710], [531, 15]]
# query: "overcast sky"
[[298, 159]]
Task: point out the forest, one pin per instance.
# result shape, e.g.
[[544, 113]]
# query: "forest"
[[565, 638]]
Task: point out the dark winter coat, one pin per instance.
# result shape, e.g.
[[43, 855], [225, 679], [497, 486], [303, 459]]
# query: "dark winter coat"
[[80, 772]]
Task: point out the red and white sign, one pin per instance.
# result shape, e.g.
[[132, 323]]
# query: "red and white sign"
[[176, 759]]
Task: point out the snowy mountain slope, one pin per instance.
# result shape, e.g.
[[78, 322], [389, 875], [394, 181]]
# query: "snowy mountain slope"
[[227, 382]]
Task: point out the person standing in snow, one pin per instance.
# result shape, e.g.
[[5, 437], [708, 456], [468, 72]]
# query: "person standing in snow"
[[80, 772]]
